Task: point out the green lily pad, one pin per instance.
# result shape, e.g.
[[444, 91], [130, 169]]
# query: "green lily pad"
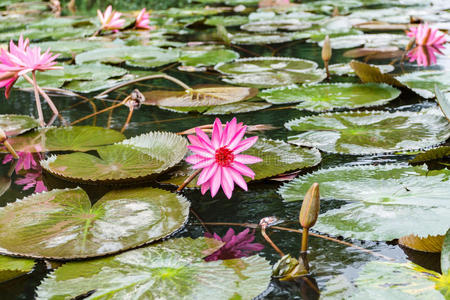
[[388, 280], [79, 73], [285, 24], [266, 64], [17, 124], [275, 79], [346, 69], [323, 97], [226, 20], [370, 132], [445, 254], [368, 40], [382, 200], [432, 154], [78, 138], [67, 49], [134, 56], [49, 34], [244, 38], [12, 267], [233, 108], [62, 224], [173, 269], [278, 157], [142, 157], [444, 102], [198, 57], [424, 82]]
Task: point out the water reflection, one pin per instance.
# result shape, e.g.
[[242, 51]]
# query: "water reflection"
[[425, 56]]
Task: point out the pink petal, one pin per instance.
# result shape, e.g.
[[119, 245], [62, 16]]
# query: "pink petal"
[[237, 138], [207, 173], [205, 187], [216, 134], [245, 144], [227, 182], [216, 181], [243, 169], [237, 178], [247, 159], [201, 151], [204, 164]]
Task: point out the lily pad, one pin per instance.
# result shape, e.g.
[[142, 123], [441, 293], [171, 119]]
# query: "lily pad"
[[445, 255], [266, 64], [232, 108], [383, 199], [198, 57], [200, 96], [67, 49], [370, 132], [278, 158], [173, 269], [12, 267], [226, 20], [346, 69], [444, 102], [62, 224], [371, 73], [244, 38], [368, 40], [389, 280], [17, 124], [142, 157], [78, 138], [276, 24], [424, 82], [134, 56], [323, 97]]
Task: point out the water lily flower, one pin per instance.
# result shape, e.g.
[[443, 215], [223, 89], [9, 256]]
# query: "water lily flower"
[[220, 159], [236, 245], [426, 35], [26, 161], [142, 20], [8, 73], [110, 19], [32, 179], [425, 55]]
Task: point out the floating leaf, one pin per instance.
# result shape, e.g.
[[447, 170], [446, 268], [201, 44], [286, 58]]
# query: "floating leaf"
[[276, 24], [267, 38], [424, 244], [370, 132], [376, 40], [200, 96], [17, 124], [62, 224], [388, 280], [445, 255], [424, 82], [266, 64], [346, 69], [70, 48], [383, 199], [432, 154], [12, 267], [226, 20], [278, 158], [173, 269], [444, 102], [322, 97], [237, 108], [370, 73], [134, 56], [78, 138], [142, 157], [198, 57]]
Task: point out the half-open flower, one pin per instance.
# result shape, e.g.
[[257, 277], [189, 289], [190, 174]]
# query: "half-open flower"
[[110, 19], [142, 20], [426, 35], [8, 69], [220, 159]]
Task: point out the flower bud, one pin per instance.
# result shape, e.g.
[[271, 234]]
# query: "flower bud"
[[310, 207], [2, 136], [326, 49]]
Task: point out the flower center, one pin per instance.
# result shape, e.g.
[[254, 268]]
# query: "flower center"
[[224, 157]]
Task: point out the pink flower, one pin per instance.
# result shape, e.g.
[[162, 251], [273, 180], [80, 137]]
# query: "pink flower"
[[220, 159], [426, 35], [236, 246], [425, 55], [26, 161], [8, 73], [33, 179], [142, 20], [110, 19]]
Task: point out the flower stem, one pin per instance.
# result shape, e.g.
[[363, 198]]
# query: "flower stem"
[[267, 238], [10, 149], [130, 114], [188, 180], [38, 101], [96, 113]]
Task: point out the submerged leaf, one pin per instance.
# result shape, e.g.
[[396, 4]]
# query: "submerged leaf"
[[173, 269], [62, 224]]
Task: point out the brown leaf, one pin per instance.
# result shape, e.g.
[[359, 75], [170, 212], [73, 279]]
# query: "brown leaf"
[[428, 244], [368, 73]]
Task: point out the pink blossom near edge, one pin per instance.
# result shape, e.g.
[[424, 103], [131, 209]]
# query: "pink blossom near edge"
[[425, 56], [236, 245], [220, 159], [426, 35], [8, 76], [143, 20], [110, 19]]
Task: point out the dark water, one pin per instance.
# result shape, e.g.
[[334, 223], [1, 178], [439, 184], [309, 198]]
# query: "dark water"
[[326, 258]]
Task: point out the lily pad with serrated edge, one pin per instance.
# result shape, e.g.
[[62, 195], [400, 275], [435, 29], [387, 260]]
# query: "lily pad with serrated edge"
[[275, 79], [285, 24], [12, 267], [142, 157], [266, 64], [226, 20], [346, 69], [233, 108], [432, 243], [278, 157], [17, 124], [444, 102], [389, 280], [424, 82], [62, 224], [207, 57], [200, 96], [173, 269], [368, 40], [328, 96], [135, 56], [382, 200], [364, 132], [245, 38], [67, 49], [77, 138]]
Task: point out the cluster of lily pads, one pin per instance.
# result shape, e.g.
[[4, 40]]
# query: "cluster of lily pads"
[[124, 238]]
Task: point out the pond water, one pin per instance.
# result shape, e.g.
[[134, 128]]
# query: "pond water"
[[327, 259]]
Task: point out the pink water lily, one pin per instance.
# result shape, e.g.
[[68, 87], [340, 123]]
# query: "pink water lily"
[[220, 159], [32, 179], [142, 20], [426, 35], [425, 55], [110, 19], [236, 245], [8, 73]]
